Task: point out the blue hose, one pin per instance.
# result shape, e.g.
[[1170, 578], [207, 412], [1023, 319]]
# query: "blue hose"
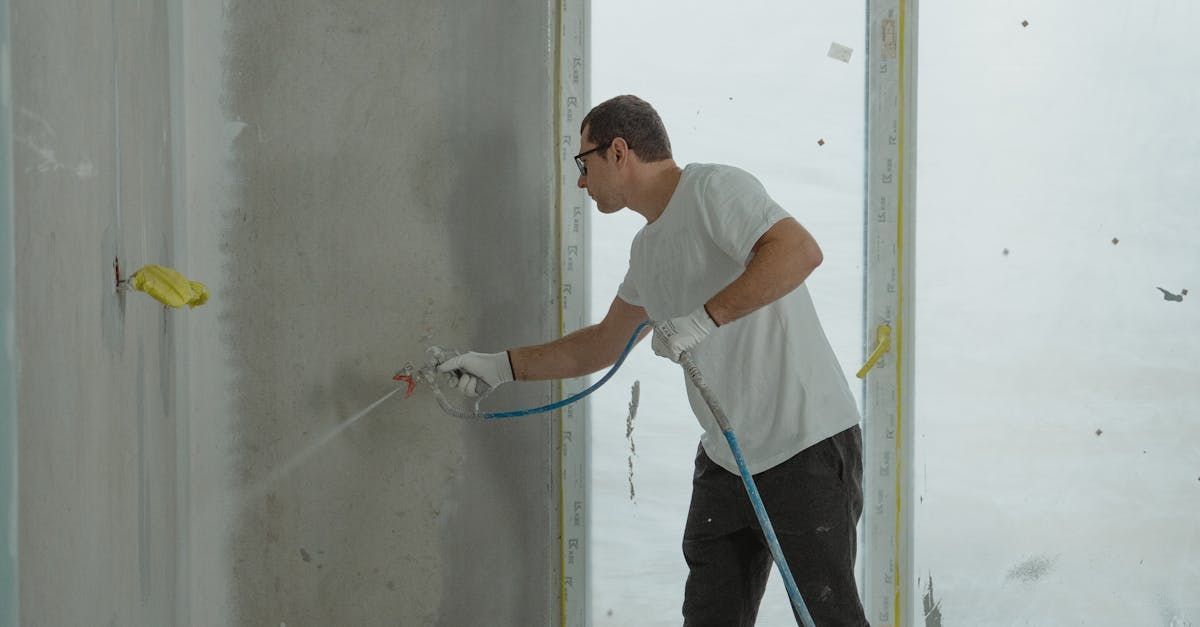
[[760, 510], [764, 521], [496, 415]]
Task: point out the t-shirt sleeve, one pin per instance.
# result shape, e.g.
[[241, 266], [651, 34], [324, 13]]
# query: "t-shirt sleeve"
[[627, 291], [737, 210]]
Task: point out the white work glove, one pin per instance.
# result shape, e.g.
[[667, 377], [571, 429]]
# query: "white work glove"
[[476, 373], [676, 335]]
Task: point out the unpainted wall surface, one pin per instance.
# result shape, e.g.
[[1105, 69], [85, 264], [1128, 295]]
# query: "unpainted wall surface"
[[96, 424], [391, 173], [354, 181]]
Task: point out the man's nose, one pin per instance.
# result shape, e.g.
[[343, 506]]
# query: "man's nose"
[[582, 182]]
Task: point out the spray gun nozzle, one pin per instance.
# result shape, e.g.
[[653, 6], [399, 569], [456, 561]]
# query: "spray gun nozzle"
[[406, 375]]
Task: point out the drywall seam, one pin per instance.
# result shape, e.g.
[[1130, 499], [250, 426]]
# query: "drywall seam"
[[205, 414], [9, 358], [179, 324]]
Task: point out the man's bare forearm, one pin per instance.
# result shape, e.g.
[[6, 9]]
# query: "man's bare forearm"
[[577, 354]]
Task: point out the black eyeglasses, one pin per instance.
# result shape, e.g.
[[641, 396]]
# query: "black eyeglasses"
[[579, 157]]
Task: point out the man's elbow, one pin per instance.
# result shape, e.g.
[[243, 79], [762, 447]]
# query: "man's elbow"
[[814, 256], [810, 258]]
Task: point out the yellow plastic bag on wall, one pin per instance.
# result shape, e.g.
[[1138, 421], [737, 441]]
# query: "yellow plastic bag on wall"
[[169, 287]]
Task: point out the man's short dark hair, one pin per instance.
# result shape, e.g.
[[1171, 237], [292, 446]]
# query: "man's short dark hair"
[[633, 120]]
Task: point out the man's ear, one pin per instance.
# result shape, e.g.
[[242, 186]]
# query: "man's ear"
[[620, 150]]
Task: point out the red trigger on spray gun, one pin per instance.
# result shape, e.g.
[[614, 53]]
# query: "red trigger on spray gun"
[[407, 378]]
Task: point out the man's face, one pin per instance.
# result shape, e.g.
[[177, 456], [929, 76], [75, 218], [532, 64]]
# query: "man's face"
[[600, 179]]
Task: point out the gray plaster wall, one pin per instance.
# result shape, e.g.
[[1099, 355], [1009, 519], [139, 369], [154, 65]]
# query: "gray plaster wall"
[[354, 181], [91, 186]]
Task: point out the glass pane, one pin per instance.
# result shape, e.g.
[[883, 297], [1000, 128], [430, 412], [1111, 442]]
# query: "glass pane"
[[1057, 381], [750, 85]]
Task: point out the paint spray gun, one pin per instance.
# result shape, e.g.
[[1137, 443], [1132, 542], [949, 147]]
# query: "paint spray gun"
[[428, 375]]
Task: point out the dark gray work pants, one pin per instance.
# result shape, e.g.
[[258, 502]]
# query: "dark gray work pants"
[[814, 501]]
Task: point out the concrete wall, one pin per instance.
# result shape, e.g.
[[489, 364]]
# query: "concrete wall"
[[354, 181]]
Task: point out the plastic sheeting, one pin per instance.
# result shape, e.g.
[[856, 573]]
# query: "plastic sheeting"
[[1057, 473]]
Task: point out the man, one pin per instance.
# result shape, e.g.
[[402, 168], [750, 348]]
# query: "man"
[[720, 267]]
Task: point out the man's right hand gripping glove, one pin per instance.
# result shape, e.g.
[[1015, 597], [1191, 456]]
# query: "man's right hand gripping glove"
[[476, 373]]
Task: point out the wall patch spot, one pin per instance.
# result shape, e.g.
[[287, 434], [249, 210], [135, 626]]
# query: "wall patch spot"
[[1032, 569], [635, 397]]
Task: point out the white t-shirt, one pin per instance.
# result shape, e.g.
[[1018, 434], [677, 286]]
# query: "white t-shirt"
[[773, 371]]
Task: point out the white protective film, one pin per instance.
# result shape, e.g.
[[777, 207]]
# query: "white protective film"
[[759, 86], [1058, 227]]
